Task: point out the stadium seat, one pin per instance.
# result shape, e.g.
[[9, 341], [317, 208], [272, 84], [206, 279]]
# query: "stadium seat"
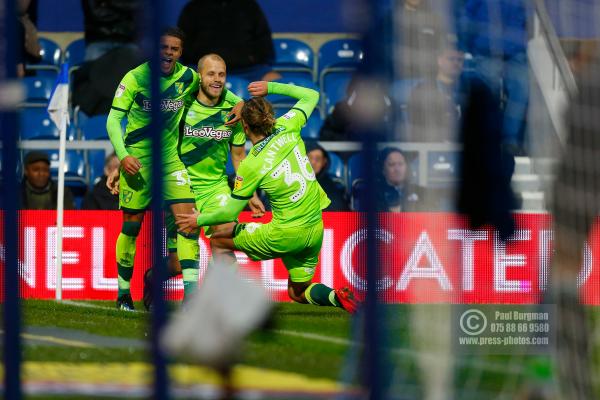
[[334, 89], [281, 101], [51, 57], [95, 161], [313, 126], [337, 57], [442, 168], [75, 170], [39, 89], [340, 54], [35, 124], [237, 85], [354, 169], [336, 167], [293, 59], [93, 128], [75, 53], [357, 193]]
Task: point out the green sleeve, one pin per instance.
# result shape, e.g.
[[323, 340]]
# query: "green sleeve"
[[231, 97], [113, 127], [224, 214], [308, 98]]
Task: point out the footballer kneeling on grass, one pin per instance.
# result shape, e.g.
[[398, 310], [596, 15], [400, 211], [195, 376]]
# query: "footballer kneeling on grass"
[[277, 163]]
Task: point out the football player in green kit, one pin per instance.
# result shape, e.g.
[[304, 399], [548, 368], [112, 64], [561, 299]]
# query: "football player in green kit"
[[132, 100], [277, 163], [204, 146]]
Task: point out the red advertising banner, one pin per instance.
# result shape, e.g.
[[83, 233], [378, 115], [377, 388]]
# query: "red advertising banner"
[[425, 257]]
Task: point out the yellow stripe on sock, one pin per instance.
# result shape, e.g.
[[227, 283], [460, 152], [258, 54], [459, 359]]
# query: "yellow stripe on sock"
[[307, 294]]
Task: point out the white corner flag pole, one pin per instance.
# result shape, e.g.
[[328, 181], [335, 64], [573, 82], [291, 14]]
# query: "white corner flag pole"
[[58, 109]]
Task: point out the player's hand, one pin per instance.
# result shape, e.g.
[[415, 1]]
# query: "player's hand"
[[131, 165], [258, 88], [112, 181], [187, 221], [235, 115], [256, 206]]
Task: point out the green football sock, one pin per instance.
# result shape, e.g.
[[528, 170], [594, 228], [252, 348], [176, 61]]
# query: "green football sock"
[[188, 253], [125, 254], [321, 295]]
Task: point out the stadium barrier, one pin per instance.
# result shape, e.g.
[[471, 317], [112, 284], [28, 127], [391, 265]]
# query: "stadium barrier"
[[427, 258]]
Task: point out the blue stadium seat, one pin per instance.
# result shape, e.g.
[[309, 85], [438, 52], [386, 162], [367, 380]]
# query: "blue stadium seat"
[[293, 59], [334, 88], [357, 193], [75, 53], [355, 163], [95, 161], [337, 57], [442, 168], [35, 124], [336, 167], [93, 128], [280, 101], [237, 85], [39, 89], [313, 126], [340, 54], [74, 167], [51, 57]]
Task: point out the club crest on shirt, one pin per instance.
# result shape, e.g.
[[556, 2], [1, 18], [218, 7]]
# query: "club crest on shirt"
[[120, 90], [126, 196], [239, 181], [179, 87]]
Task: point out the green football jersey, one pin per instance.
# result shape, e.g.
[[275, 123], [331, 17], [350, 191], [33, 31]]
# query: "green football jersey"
[[133, 97], [205, 142], [278, 164]]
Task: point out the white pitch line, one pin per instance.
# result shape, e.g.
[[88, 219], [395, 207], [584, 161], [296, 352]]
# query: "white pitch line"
[[345, 342], [89, 305]]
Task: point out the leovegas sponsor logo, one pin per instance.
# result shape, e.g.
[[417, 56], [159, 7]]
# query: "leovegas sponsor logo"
[[207, 132]]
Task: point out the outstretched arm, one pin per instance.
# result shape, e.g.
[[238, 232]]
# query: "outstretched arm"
[[223, 215], [307, 98]]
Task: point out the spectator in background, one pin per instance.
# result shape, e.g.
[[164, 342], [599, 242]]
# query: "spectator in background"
[[434, 107], [38, 191], [420, 31], [108, 24], [320, 161], [342, 124], [29, 53], [100, 197], [495, 33], [397, 192], [237, 30]]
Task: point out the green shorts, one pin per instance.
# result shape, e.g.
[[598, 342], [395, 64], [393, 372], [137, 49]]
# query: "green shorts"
[[211, 199], [298, 247], [135, 190]]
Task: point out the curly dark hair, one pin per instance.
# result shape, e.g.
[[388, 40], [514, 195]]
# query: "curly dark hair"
[[258, 114]]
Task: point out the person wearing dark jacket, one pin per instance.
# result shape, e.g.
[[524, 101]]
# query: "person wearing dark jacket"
[[108, 24], [100, 197], [320, 161], [237, 30], [38, 191]]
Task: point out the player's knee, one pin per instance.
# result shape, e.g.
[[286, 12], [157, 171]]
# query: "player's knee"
[[131, 228]]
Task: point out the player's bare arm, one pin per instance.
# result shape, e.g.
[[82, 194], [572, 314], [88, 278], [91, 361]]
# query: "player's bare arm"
[[131, 165]]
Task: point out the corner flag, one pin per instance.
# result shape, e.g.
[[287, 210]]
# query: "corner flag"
[[59, 99], [58, 110]]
